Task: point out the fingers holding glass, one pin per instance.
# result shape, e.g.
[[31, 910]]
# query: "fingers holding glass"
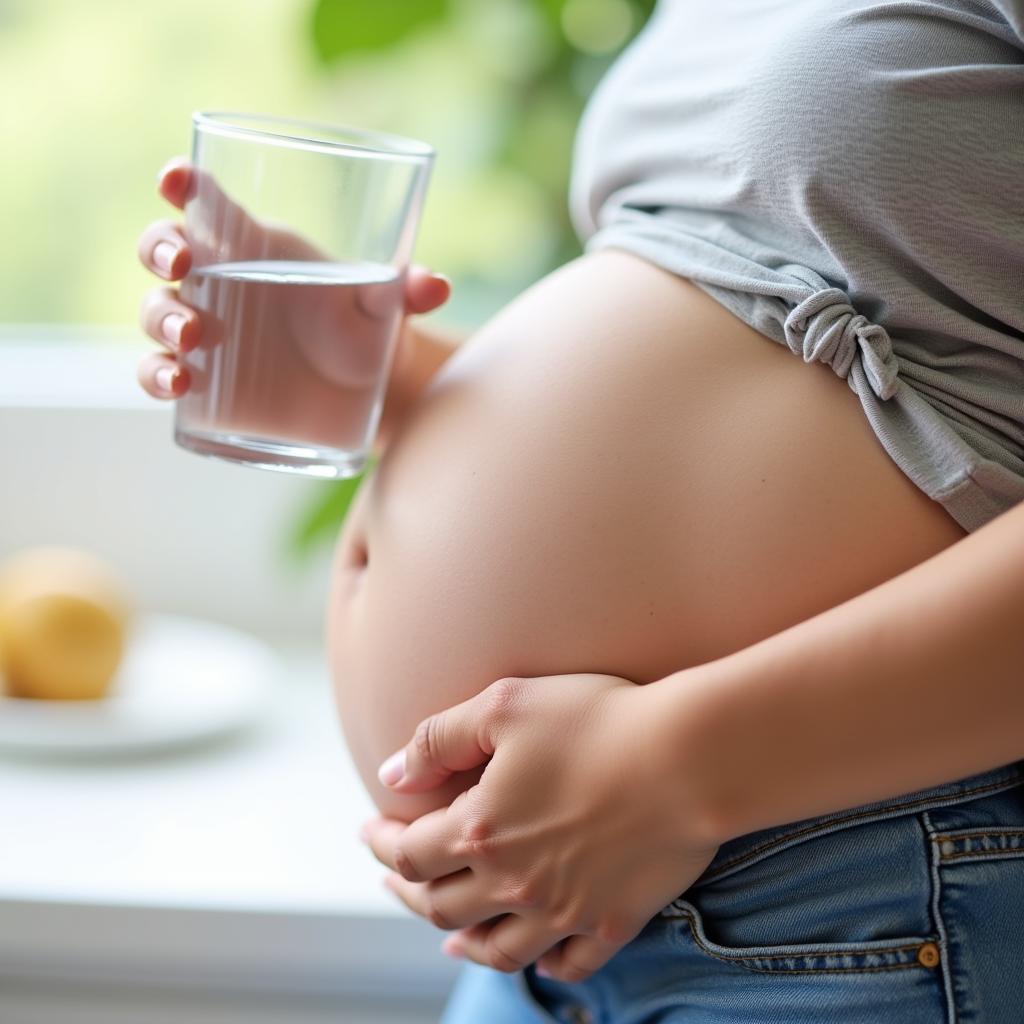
[[161, 377], [222, 230], [176, 181], [166, 319], [165, 251], [425, 291]]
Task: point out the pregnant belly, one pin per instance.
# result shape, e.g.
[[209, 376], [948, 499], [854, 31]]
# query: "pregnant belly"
[[615, 475]]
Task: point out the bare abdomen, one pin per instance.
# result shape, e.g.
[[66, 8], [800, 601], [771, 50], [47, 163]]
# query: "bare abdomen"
[[615, 475]]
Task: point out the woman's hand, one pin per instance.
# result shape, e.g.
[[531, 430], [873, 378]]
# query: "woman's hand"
[[165, 250], [582, 826]]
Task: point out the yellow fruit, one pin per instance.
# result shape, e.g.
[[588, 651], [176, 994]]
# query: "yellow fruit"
[[63, 619]]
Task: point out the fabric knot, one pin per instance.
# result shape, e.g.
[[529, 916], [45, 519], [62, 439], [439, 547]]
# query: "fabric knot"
[[825, 328]]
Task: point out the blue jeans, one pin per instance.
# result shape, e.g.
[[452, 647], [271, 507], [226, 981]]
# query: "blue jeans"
[[908, 910]]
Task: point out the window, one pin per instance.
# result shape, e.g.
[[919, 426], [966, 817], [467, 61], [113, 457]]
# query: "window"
[[97, 96]]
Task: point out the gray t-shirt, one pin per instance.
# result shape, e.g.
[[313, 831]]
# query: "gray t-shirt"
[[846, 176]]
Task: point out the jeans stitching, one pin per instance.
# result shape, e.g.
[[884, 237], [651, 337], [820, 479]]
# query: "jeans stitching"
[[909, 805], [1001, 854], [980, 835], [972, 851], [939, 924], [743, 960]]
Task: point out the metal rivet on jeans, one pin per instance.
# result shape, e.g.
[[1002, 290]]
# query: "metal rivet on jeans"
[[928, 955]]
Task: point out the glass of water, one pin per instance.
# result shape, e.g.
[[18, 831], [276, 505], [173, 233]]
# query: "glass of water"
[[301, 235]]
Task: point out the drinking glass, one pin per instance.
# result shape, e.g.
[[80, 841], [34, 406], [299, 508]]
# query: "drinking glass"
[[301, 236]]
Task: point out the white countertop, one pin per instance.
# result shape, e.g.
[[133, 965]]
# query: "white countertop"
[[237, 862], [235, 866]]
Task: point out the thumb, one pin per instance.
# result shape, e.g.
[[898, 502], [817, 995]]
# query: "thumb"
[[450, 741], [425, 290]]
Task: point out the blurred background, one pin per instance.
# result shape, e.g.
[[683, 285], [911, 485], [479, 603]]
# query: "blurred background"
[[98, 96], [192, 856]]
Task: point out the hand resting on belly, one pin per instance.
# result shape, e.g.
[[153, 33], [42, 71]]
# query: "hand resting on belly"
[[615, 475]]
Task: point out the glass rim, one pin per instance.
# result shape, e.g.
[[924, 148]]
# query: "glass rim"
[[295, 134]]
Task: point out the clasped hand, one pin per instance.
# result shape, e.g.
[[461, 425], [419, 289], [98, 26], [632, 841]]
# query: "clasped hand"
[[578, 832]]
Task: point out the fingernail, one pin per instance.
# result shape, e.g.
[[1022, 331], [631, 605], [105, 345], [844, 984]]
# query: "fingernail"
[[166, 377], [453, 948], [392, 770], [542, 972], [163, 256], [171, 327], [171, 165]]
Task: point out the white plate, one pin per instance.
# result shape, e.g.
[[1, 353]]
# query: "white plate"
[[182, 681]]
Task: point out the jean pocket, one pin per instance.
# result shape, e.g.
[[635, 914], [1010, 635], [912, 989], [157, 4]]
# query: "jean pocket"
[[853, 899]]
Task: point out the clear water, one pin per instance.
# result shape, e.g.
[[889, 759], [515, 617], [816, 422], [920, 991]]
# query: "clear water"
[[293, 363]]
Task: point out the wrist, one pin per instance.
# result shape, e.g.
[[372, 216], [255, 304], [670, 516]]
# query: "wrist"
[[420, 353], [683, 710], [408, 377]]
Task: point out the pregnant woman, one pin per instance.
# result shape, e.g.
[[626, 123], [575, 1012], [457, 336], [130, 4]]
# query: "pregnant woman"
[[762, 447]]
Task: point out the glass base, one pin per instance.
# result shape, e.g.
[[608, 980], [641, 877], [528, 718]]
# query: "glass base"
[[304, 460]]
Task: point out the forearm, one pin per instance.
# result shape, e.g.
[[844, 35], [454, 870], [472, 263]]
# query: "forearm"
[[917, 682]]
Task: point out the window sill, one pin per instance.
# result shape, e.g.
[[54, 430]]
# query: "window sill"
[[232, 868], [235, 866]]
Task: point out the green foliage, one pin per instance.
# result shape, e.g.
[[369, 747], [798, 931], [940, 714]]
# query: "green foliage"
[[544, 77], [543, 83], [319, 522], [343, 27]]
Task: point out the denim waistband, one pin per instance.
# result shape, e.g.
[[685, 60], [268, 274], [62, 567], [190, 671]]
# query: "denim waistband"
[[747, 849]]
